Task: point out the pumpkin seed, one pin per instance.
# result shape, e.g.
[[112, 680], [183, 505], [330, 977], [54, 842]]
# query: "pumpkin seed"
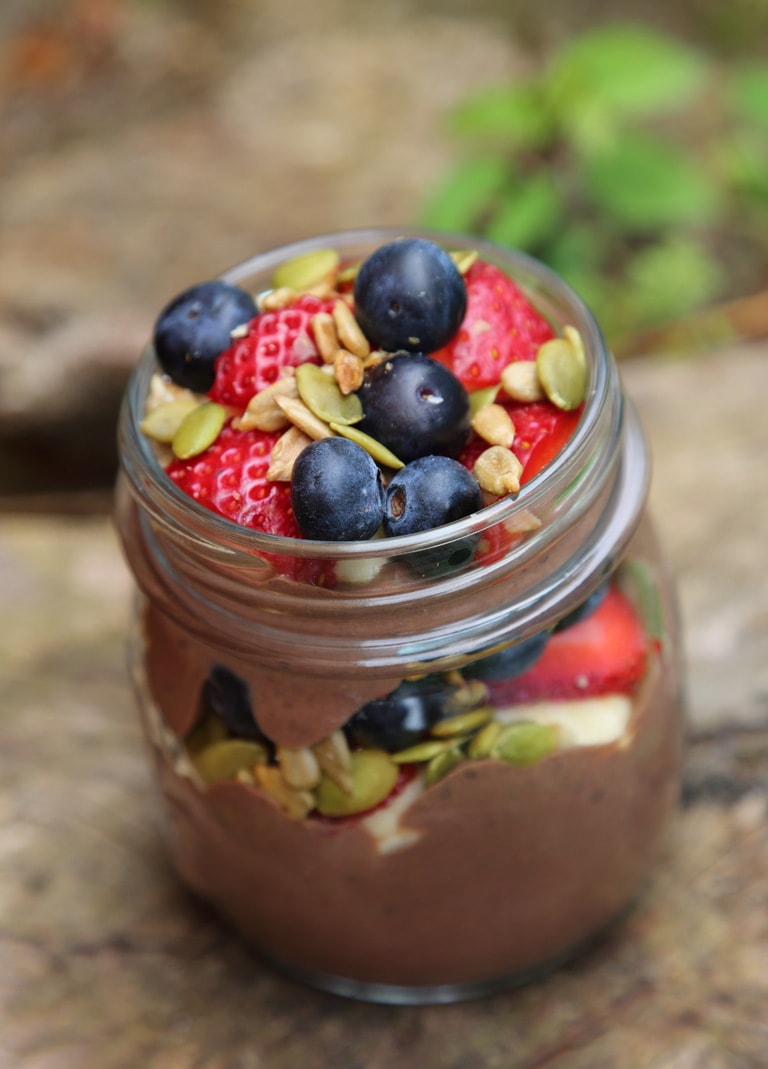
[[161, 423], [426, 750], [348, 273], [481, 744], [464, 258], [525, 743], [373, 774], [562, 373], [199, 429], [462, 724], [321, 394], [441, 765], [206, 732], [308, 269], [223, 760], [379, 452], [480, 398]]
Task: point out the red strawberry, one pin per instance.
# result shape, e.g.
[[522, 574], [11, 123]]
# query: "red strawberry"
[[606, 653], [541, 430], [230, 478], [500, 325], [275, 340]]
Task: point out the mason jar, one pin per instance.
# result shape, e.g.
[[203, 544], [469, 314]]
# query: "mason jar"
[[521, 825]]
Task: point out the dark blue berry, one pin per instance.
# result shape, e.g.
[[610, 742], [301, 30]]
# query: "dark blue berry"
[[429, 492], [402, 718], [196, 327], [410, 295], [228, 697], [336, 491], [415, 406], [581, 612], [511, 661]]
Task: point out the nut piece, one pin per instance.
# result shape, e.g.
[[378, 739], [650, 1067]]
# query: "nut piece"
[[498, 471], [263, 413], [468, 696], [333, 757], [162, 391], [520, 381], [494, 425], [303, 417], [348, 329], [348, 370], [295, 803], [326, 338], [284, 453], [274, 300], [300, 767]]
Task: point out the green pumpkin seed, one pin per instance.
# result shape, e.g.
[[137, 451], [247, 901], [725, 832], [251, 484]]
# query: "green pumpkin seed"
[[462, 723], [562, 373], [480, 398], [373, 774], [205, 733], [198, 430], [307, 270], [441, 765], [426, 750], [320, 393], [348, 273], [526, 743], [162, 423], [482, 744], [464, 258], [226, 759], [379, 452]]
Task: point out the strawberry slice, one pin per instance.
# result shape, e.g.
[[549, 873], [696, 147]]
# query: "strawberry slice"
[[541, 430], [499, 326], [606, 653], [275, 340], [230, 478]]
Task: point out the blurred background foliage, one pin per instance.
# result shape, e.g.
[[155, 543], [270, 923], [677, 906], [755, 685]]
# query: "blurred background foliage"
[[633, 163]]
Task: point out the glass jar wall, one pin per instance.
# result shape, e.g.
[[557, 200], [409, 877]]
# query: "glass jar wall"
[[418, 768]]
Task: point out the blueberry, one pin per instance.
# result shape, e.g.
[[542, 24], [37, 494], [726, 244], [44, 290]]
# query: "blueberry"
[[228, 697], [410, 295], [415, 406], [511, 661], [581, 612], [428, 493], [196, 327], [336, 491], [402, 718]]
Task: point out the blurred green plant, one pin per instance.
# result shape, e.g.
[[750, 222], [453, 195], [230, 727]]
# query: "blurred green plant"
[[633, 164]]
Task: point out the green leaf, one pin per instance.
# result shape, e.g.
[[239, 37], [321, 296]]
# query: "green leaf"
[[672, 277], [647, 183], [630, 71], [465, 194], [516, 114], [528, 215], [748, 94]]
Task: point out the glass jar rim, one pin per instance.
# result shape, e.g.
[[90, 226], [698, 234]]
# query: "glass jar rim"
[[187, 519]]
